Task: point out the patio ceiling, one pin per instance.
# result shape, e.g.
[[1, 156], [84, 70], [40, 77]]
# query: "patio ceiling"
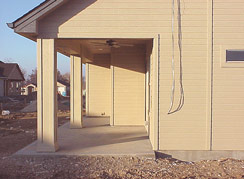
[[94, 46]]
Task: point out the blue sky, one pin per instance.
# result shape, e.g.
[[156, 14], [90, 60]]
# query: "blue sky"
[[16, 48]]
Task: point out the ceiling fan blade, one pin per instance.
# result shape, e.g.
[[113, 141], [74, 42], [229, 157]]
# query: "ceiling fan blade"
[[127, 45], [98, 43], [116, 46]]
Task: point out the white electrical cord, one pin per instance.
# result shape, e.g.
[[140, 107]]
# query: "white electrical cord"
[[181, 101], [173, 60]]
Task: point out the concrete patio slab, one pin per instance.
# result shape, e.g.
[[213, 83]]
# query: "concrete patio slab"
[[98, 138]]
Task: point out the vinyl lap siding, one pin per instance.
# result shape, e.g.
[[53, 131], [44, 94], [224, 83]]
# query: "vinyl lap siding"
[[186, 129], [99, 86], [129, 85], [228, 89], [98, 18]]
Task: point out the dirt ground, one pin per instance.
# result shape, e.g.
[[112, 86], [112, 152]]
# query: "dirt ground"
[[18, 130]]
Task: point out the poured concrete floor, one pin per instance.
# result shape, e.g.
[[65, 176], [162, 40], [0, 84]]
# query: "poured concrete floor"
[[98, 138]]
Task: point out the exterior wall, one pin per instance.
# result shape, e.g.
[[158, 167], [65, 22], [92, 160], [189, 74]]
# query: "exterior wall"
[[62, 90], [129, 85], [105, 18], [1, 87], [13, 88], [99, 95], [228, 79], [25, 90], [188, 129]]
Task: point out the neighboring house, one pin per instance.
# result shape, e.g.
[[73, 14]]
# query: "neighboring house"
[[10, 79], [128, 49], [62, 88], [28, 89]]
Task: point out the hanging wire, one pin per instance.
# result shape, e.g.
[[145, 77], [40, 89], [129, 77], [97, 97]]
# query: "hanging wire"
[[182, 98], [173, 60]]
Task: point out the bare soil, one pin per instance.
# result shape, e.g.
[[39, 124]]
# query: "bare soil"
[[19, 130]]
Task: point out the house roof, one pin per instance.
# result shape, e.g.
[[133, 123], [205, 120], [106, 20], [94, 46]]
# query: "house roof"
[[7, 70], [58, 81], [30, 84], [63, 83], [12, 25], [27, 24]]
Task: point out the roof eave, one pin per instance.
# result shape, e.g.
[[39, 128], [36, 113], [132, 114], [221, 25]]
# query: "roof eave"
[[10, 25], [30, 14], [20, 25]]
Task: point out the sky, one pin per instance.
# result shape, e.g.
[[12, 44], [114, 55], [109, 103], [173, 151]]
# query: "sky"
[[18, 49]]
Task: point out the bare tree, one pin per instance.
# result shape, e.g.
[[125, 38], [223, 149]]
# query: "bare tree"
[[83, 83], [66, 77], [32, 78], [24, 72], [62, 77], [8, 60]]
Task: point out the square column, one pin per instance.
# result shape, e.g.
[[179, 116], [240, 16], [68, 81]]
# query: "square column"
[[76, 99], [47, 121], [87, 89]]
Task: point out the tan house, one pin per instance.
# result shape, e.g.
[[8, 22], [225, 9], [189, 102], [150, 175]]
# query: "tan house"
[[28, 89], [62, 88], [176, 67], [10, 79]]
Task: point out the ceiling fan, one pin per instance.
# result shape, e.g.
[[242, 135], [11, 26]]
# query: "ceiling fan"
[[112, 43]]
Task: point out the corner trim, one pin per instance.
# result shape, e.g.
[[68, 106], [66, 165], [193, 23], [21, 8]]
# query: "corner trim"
[[209, 115]]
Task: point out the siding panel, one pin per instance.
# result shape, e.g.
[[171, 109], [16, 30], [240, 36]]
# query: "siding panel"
[[228, 96], [129, 85], [147, 19], [100, 86], [186, 129]]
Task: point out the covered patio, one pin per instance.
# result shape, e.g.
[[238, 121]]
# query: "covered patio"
[[127, 63], [132, 92], [99, 138]]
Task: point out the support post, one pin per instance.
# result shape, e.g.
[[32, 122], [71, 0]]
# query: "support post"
[[112, 89], [76, 107], [47, 95], [87, 89], [154, 123]]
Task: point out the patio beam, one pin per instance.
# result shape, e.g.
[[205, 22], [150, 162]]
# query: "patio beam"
[[76, 100], [47, 95]]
